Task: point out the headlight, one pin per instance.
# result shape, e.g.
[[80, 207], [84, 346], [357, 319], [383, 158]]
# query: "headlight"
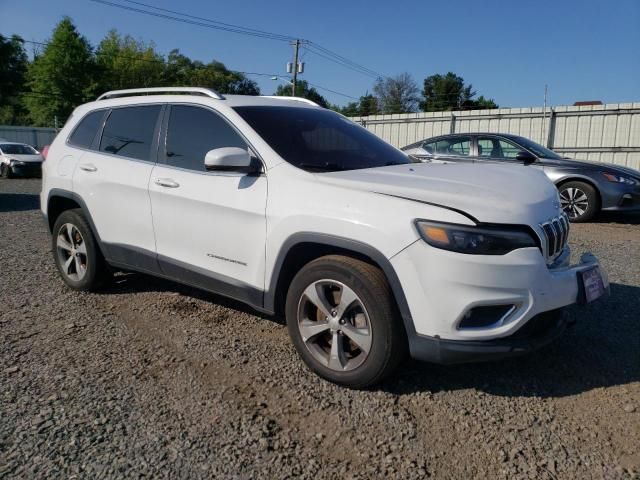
[[612, 177], [481, 240]]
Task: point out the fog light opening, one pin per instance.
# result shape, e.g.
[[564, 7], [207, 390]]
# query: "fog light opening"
[[486, 316]]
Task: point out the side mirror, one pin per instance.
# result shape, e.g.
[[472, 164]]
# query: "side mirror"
[[230, 159], [526, 157]]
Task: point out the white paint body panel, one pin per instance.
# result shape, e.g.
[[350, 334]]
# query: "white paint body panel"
[[215, 221], [117, 195]]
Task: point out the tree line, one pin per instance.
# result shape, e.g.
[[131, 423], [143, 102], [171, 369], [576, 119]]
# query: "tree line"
[[67, 71]]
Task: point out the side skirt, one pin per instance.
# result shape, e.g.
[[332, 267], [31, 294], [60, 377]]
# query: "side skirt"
[[139, 260]]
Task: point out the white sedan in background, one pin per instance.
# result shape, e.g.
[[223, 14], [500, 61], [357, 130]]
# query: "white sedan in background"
[[19, 159]]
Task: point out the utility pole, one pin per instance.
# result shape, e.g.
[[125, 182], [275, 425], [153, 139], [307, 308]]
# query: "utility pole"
[[544, 118], [296, 47]]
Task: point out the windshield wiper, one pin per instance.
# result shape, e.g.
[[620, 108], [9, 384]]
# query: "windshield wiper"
[[327, 167]]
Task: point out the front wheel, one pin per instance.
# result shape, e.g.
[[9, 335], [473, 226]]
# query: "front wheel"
[[579, 200], [343, 321]]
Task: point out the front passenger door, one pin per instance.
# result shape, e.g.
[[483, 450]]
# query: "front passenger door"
[[210, 226]]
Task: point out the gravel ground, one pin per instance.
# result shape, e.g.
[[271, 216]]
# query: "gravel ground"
[[152, 379]]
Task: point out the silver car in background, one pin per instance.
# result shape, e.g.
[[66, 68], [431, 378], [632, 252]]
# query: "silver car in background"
[[585, 187], [19, 159]]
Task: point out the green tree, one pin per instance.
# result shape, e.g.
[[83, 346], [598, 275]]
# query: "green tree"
[[397, 94], [124, 62], [449, 92], [367, 105], [182, 71], [13, 69], [62, 77], [303, 90]]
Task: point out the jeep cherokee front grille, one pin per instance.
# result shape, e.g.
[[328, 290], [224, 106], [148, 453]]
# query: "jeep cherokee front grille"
[[556, 235]]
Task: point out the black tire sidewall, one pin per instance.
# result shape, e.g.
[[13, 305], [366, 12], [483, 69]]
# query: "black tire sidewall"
[[592, 197], [380, 311], [91, 279]]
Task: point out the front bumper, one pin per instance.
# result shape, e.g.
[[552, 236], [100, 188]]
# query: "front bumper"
[[27, 169], [539, 331], [620, 198], [441, 287]]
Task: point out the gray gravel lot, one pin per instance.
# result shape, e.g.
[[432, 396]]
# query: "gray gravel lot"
[[153, 379]]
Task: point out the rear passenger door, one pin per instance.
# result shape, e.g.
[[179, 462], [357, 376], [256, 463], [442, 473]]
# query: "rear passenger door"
[[209, 225], [112, 177]]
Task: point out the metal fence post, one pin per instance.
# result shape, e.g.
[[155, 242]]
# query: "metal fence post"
[[452, 124], [551, 132]]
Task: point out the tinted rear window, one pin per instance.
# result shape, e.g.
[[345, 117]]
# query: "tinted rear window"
[[86, 130], [129, 131], [320, 140]]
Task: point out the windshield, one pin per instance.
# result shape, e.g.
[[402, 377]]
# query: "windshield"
[[17, 149], [320, 140], [538, 149]]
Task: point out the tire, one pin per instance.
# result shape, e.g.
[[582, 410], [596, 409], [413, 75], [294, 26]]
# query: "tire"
[[76, 253], [579, 200], [371, 318], [3, 168]]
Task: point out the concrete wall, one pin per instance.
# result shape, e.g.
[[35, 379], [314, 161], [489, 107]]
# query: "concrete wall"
[[605, 133]]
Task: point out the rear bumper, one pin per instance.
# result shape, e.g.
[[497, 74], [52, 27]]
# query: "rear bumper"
[[539, 331]]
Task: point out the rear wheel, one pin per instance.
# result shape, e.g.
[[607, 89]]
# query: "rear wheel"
[[343, 321], [76, 252], [579, 200]]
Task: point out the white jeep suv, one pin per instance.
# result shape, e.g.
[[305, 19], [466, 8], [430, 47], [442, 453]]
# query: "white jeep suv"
[[296, 210]]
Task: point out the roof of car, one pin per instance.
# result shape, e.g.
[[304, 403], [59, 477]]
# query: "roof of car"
[[465, 134], [3, 142]]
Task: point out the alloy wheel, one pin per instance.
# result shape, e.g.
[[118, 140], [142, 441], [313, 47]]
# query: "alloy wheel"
[[72, 252], [574, 202], [334, 325]]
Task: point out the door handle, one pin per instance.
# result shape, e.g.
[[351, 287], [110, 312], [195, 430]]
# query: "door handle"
[[88, 167], [167, 182]]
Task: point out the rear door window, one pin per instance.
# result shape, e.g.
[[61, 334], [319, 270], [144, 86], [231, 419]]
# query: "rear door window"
[[86, 131], [129, 131], [457, 146], [192, 132]]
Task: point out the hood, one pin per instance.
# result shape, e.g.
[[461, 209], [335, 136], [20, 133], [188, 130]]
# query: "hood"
[[489, 193], [588, 164], [25, 158]]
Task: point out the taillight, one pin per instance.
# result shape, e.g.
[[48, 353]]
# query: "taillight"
[[45, 152]]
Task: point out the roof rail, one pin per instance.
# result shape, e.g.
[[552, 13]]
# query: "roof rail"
[[207, 92], [292, 99]]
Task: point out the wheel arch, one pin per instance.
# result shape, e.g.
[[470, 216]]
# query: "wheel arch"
[[301, 248], [59, 201]]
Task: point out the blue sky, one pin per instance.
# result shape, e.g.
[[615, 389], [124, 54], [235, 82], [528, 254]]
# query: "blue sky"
[[508, 49]]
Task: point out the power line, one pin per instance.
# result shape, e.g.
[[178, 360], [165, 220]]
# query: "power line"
[[345, 60], [332, 91], [248, 30], [217, 25]]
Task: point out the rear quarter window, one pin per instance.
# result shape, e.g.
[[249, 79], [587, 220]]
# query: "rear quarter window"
[[85, 132]]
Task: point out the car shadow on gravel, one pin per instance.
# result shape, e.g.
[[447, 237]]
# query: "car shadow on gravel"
[[601, 350], [131, 282], [18, 202]]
